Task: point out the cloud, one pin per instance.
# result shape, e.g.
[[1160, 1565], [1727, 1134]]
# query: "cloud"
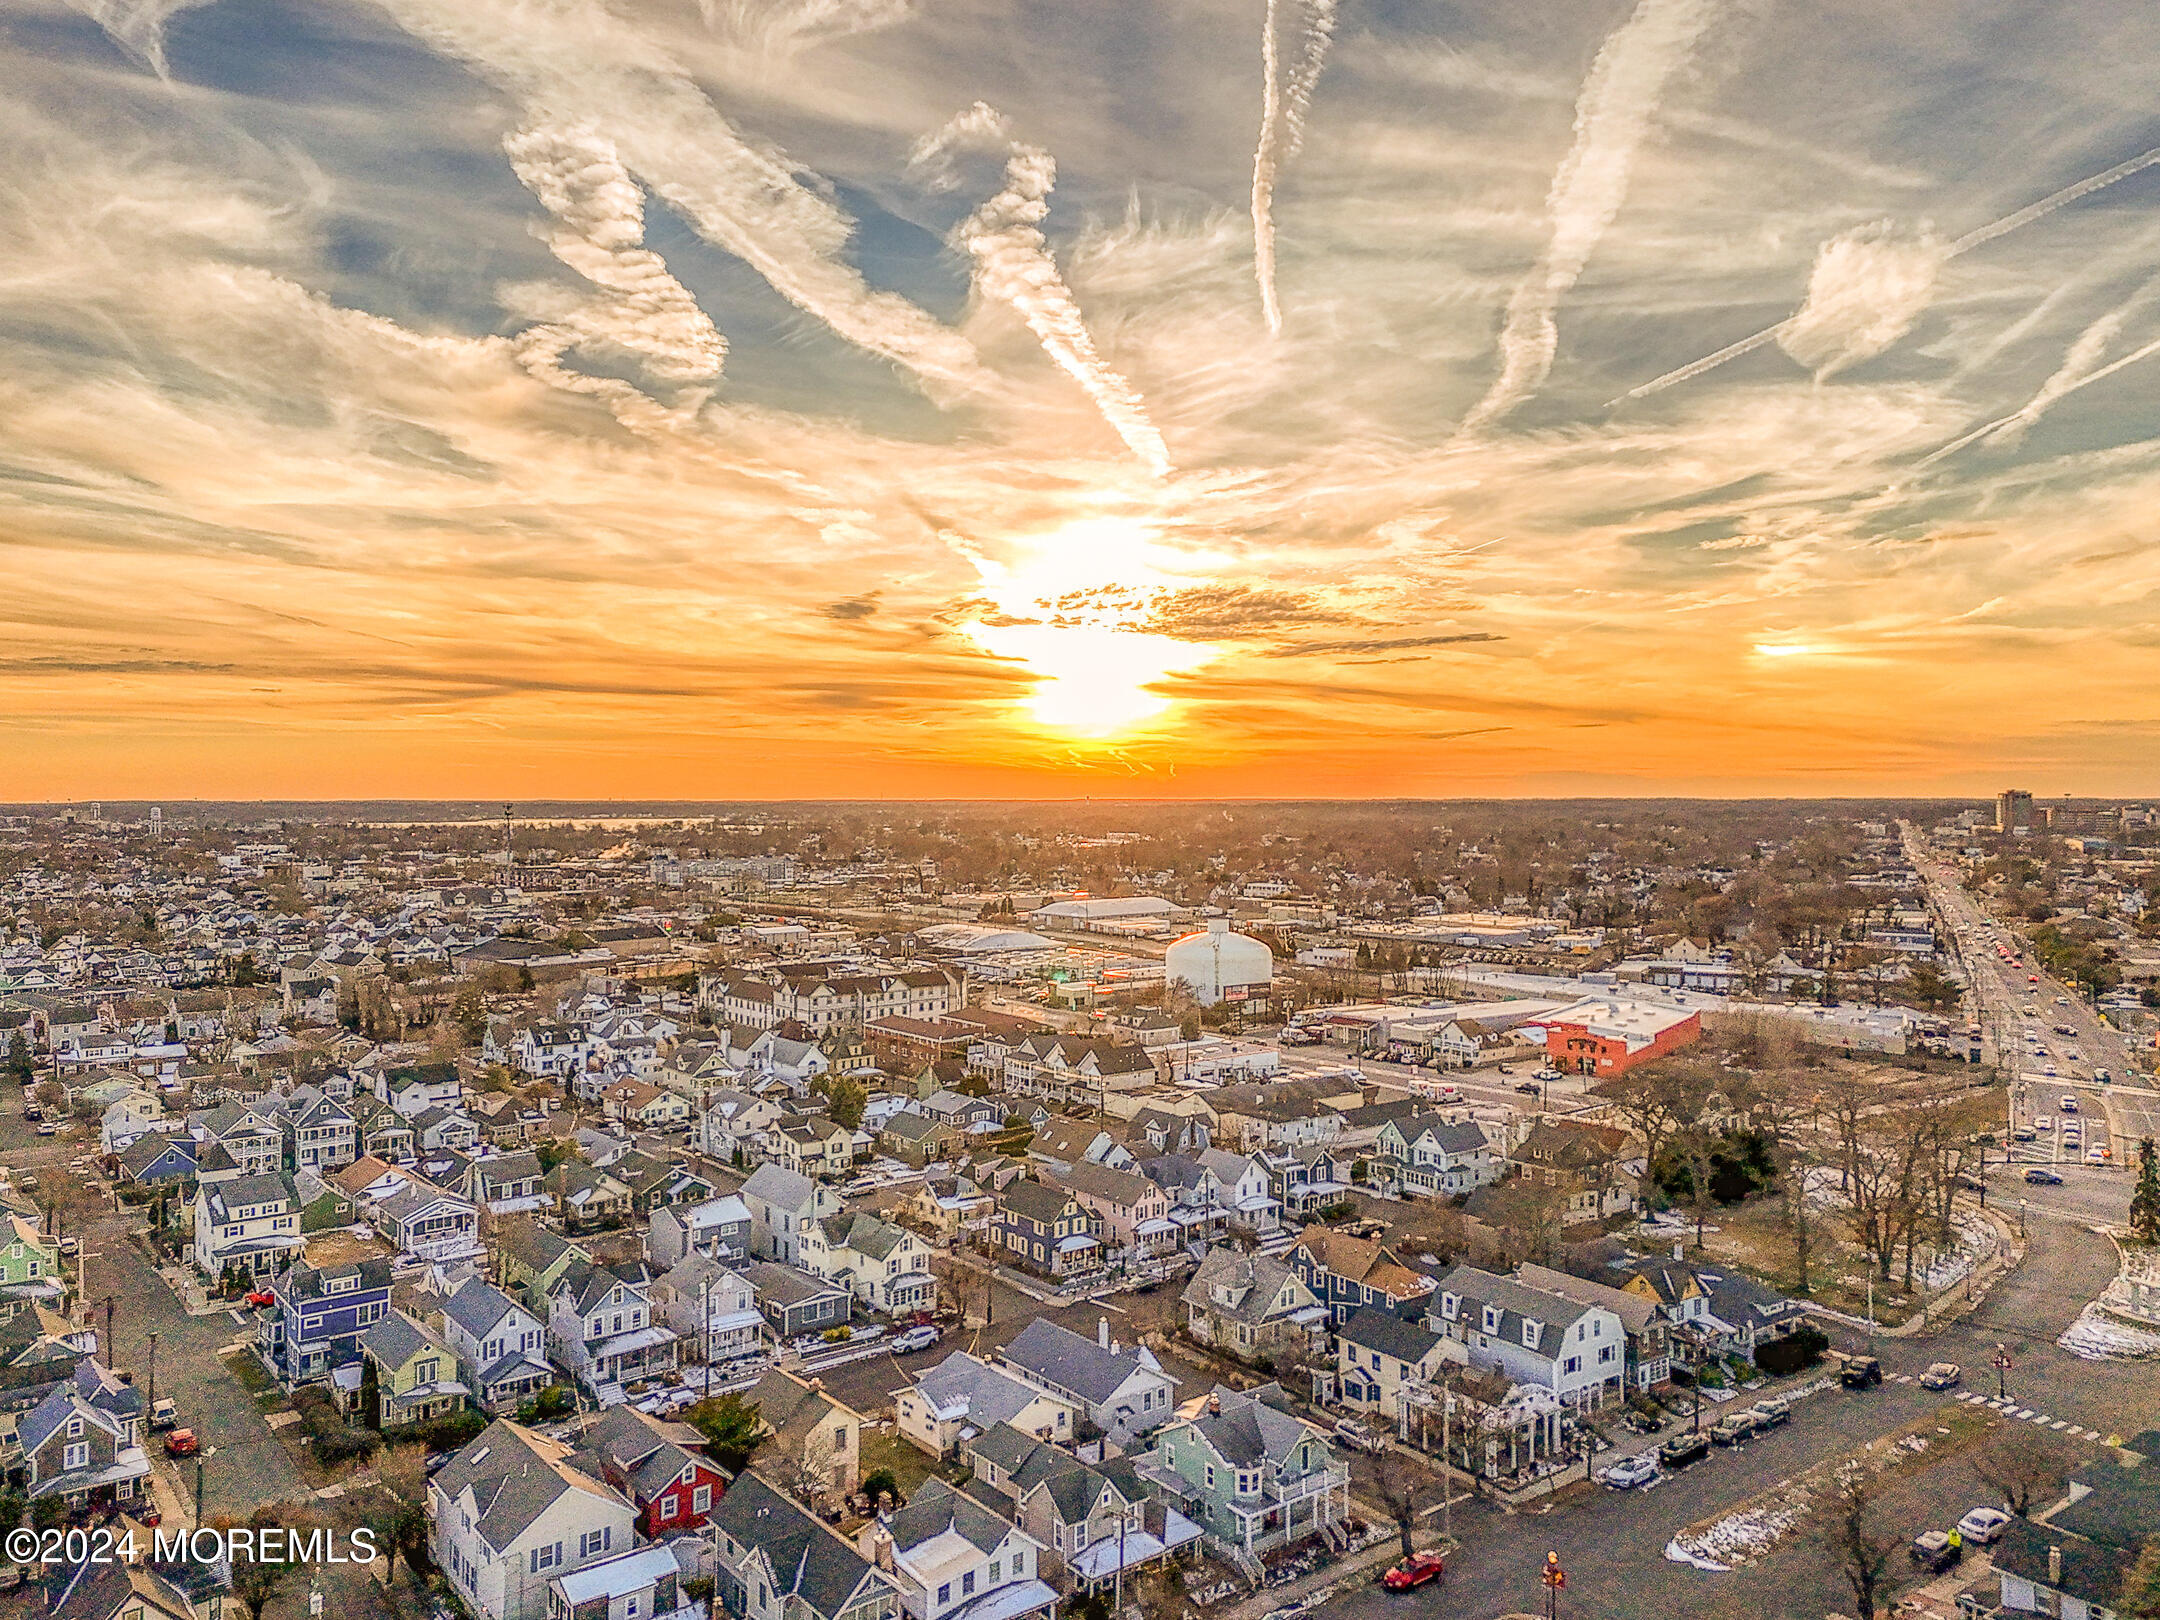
[[638, 310], [1868, 287], [1612, 115], [784, 26], [853, 608], [1284, 103], [1225, 612], [1314, 649], [138, 26], [1013, 265], [585, 68]]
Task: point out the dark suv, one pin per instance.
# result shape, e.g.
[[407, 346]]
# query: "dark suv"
[[1861, 1372], [1683, 1449]]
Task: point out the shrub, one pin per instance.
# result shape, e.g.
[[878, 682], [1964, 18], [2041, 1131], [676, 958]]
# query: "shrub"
[[1783, 1357], [551, 1403]]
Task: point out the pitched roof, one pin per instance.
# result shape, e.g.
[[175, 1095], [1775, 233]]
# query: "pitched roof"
[[515, 1476], [937, 1508], [780, 1186], [990, 1396], [1374, 1327], [1059, 1356], [478, 1306], [808, 1561], [1246, 1429]]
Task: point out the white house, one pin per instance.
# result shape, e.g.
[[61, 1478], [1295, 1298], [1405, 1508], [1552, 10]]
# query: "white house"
[[884, 1266], [133, 1115], [501, 1347], [249, 1222], [954, 1558], [714, 1309], [1123, 1389], [717, 1226], [962, 1396], [601, 1327], [1576, 1350], [510, 1515]]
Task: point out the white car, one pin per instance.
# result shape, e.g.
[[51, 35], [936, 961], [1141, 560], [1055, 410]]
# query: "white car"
[[2098, 1153], [1984, 1525], [1630, 1472], [914, 1339], [2069, 1105]]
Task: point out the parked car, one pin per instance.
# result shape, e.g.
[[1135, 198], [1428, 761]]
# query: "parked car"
[[164, 1416], [261, 1296], [1770, 1411], [1984, 1525], [2043, 1178], [1642, 1422], [1414, 1572], [1942, 1375], [914, 1339], [1861, 1372], [70, 1245], [182, 1443], [1630, 1472], [1683, 1449], [1731, 1431], [1934, 1551], [2099, 1153], [1357, 1436], [2101, 1077], [2024, 1133], [48, 1128]]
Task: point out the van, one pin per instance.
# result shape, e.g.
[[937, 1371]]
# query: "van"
[[1439, 1091]]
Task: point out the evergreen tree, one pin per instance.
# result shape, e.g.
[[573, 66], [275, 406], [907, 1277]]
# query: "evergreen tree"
[[21, 1068], [2145, 1202]]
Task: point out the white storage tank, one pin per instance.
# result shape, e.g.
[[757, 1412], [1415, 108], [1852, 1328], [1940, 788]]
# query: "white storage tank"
[[1219, 965]]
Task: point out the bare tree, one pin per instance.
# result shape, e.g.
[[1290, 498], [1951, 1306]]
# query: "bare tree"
[[2021, 1468], [1398, 1482], [1855, 1534]]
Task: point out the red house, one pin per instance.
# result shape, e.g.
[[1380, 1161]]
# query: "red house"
[[1602, 1038], [660, 1466]]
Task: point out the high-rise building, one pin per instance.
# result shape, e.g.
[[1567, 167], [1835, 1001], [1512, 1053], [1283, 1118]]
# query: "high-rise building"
[[157, 822], [2013, 810]]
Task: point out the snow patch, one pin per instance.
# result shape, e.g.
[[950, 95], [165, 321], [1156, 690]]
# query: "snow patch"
[[2097, 1336], [1680, 1555], [1738, 1538]]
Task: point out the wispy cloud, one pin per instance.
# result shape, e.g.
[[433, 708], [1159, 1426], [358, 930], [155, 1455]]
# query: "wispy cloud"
[[138, 26], [1612, 116], [1013, 265], [1284, 102]]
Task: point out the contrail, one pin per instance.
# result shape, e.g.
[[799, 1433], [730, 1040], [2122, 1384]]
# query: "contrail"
[[1964, 244], [1283, 106], [1013, 265], [2079, 369], [1612, 115]]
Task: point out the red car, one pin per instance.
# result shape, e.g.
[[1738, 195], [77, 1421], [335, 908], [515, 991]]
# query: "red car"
[[1414, 1571], [261, 1297], [182, 1443]]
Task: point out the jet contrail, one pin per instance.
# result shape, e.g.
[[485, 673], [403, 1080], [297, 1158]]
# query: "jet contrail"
[[1964, 244], [1612, 115], [1014, 266], [1283, 106]]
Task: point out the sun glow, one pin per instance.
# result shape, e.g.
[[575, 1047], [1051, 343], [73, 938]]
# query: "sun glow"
[[1073, 606]]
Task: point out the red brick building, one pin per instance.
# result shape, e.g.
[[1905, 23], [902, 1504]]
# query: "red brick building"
[[1602, 1038]]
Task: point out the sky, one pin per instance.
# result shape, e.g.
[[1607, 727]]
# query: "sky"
[[1030, 398]]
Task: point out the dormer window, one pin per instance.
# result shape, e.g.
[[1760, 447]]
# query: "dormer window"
[[1492, 1319], [1450, 1304], [1531, 1333]]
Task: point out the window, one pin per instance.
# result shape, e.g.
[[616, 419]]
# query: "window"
[[1604, 1354], [76, 1456], [944, 1593], [543, 1558], [665, 1507], [75, 1427], [1211, 1476], [701, 1499], [595, 1541], [630, 1609], [1572, 1364], [997, 1568], [967, 1582]]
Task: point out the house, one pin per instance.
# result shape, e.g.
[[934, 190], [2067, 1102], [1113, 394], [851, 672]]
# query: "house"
[[1308, 1177], [1122, 1390], [713, 1308], [1046, 1230], [1164, 1132], [735, 1122], [321, 1311], [129, 1116], [530, 1260], [1378, 1353], [1649, 1335], [783, 1206], [916, 1139], [1587, 1161], [172, 1589], [2074, 1559], [548, 1052], [1441, 1158], [157, 1158], [320, 1133], [720, 1227], [961, 1398], [794, 1303], [510, 1509], [1133, 1212], [1093, 1520], [1347, 1273], [252, 1134], [248, 1224], [501, 1347], [1577, 1351], [661, 1467], [886, 1267], [812, 1145], [1250, 1474], [1062, 1143], [656, 1183], [415, 1377], [955, 1559], [82, 1442], [413, 1089], [30, 1262], [1744, 1313], [444, 1129], [506, 1183], [381, 1132], [644, 1583], [427, 1223], [816, 1444], [601, 1328], [1246, 1190], [776, 1562], [1252, 1305], [645, 1106], [585, 1197]]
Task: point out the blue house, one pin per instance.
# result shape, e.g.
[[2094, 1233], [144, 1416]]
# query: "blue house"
[[154, 1158], [315, 1326]]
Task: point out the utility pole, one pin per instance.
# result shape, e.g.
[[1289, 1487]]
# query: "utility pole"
[[198, 1486], [153, 1373]]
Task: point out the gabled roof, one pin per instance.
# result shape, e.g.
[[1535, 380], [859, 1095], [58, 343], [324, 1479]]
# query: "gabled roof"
[[937, 1508], [1120, 1187], [1247, 1430], [863, 1233], [1059, 1356], [990, 1396], [1374, 1327], [1034, 1201], [396, 1339], [780, 1187], [478, 1306], [808, 1561], [515, 1476]]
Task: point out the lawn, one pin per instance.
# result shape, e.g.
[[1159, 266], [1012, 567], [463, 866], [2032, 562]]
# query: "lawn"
[[909, 1465]]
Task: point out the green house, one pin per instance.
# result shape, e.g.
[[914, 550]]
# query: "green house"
[[30, 1263], [1250, 1473], [414, 1376]]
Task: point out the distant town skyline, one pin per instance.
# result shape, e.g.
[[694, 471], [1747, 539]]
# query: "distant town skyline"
[[999, 398]]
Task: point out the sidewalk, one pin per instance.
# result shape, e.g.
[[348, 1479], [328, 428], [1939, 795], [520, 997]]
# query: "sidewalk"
[[1952, 1303]]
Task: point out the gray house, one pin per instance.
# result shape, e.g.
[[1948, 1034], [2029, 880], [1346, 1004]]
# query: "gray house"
[[794, 1302], [783, 1206], [1122, 1389]]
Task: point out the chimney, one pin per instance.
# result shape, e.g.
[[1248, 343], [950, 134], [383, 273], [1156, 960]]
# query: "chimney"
[[818, 1384], [1102, 1332], [1214, 1404], [881, 1545], [2055, 1565]]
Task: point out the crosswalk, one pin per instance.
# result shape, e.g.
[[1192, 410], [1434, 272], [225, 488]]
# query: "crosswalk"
[[2025, 1414]]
